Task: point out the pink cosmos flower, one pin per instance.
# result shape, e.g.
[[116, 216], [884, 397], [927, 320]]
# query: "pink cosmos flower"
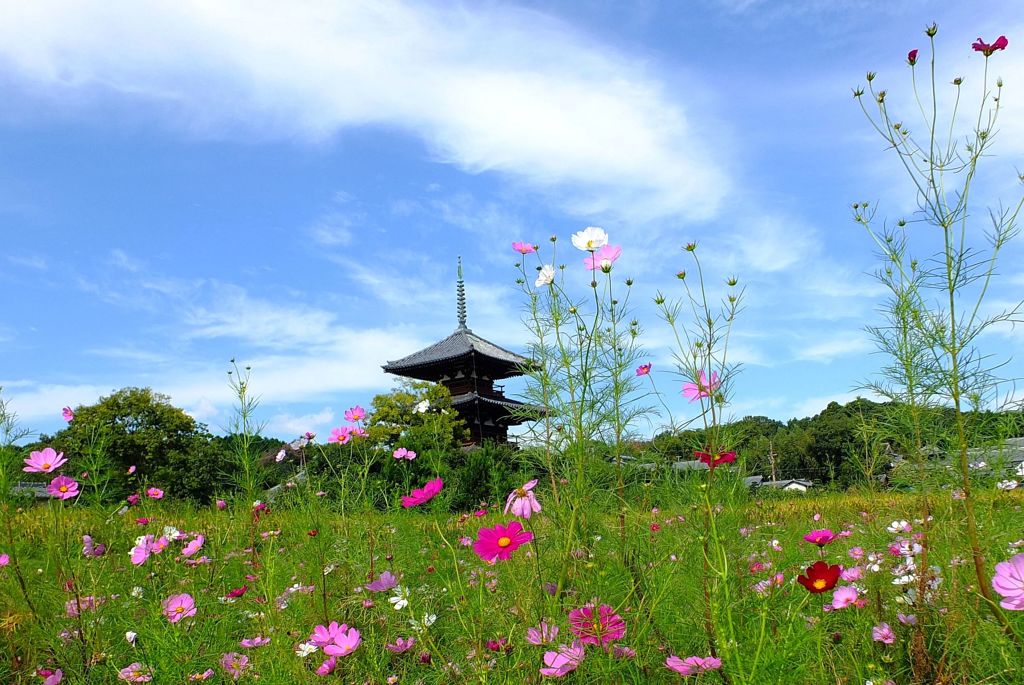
[[325, 635], [68, 414], [499, 542], [92, 550], [856, 553], [987, 49], [131, 469], [205, 675], [541, 635], [253, 642], [235, 664], [222, 505], [401, 645], [820, 537], [5, 559], [402, 453], [341, 435], [45, 461], [193, 546], [702, 388], [50, 677], [63, 487], [177, 607], [852, 574], [524, 248], [354, 414], [623, 652], [154, 493], [713, 460], [907, 619], [883, 633], [1008, 581], [522, 501], [135, 673], [327, 667], [424, 494], [133, 499], [844, 597], [560, 663], [346, 640], [603, 258], [596, 627], [237, 592], [385, 582], [912, 57], [643, 370], [88, 603], [693, 665]]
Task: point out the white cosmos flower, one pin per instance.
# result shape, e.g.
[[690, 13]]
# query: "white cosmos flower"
[[401, 598], [421, 406], [130, 636], [1007, 484], [590, 238], [546, 276], [304, 649]]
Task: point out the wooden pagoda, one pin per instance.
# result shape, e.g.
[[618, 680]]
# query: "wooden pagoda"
[[468, 365]]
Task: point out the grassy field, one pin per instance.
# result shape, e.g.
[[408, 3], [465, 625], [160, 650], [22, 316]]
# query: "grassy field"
[[300, 563]]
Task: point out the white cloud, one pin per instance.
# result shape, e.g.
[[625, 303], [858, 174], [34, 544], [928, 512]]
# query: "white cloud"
[[288, 425], [487, 88], [29, 261], [333, 229], [835, 346]]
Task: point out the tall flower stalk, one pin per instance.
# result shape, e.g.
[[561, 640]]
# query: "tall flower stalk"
[[944, 296]]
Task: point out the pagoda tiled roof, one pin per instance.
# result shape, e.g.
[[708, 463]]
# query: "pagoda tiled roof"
[[511, 405], [460, 343]]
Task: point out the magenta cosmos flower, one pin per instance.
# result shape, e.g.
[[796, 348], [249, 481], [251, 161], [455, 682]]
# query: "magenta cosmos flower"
[[596, 626], [68, 414], [543, 634], [564, 661], [386, 581], [643, 370], [603, 259], [499, 542], [346, 640], [820, 537], [912, 57], [424, 494], [135, 673], [883, 633], [524, 248], [693, 665], [46, 461], [401, 645], [177, 607], [154, 493], [49, 677], [403, 453], [63, 487], [522, 501], [987, 49], [703, 387], [713, 460], [1008, 581], [354, 414]]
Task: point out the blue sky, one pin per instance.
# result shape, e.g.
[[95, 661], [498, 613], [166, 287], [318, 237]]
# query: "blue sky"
[[289, 184]]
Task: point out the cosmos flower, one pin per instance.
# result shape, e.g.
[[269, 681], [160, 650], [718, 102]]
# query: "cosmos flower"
[[560, 663], [643, 370], [385, 582], [987, 49], [177, 607], [590, 239], [234, 664], [596, 626], [820, 537], [355, 414], [912, 57], [154, 493], [135, 673], [500, 541], [543, 634], [844, 597], [68, 414], [524, 248], [820, 577], [883, 633], [693, 665], [545, 275], [403, 453], [603, 259], [63, 487], [522, 501], [1008, 581], [45, 461], [401, 645], [424, 494], [715, 460], [703, 387]]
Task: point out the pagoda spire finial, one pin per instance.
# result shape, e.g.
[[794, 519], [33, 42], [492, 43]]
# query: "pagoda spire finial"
[[461, 299]]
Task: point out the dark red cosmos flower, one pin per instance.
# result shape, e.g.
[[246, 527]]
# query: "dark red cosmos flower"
[[238, 591], [987, 49], [820, 577], [912, 57], [714, 460]]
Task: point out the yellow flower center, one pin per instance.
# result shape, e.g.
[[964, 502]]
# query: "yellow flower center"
[[504, 541], [63, 488], [819, 584], [46, 465], [520, 492], [179, 609]]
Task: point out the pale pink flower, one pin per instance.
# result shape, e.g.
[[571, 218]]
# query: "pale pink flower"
[[340, 435], [1008, 581], [154, 493], [235, 664], [89, 549], [193, 546], [524, 248], [63, 487], [844, 597], [135, 673], [45, 461], [68, 414], [327, 667], [401, 645], [253, 642], [603, 258], [325, 635], [702, 388], [345, 642], [205, 675], [522, 501], [131, 469], [177, 607], [883, 633], [693, 665], [385, 582], [564, 661], [543, 634], [50, 677], [403, 453]]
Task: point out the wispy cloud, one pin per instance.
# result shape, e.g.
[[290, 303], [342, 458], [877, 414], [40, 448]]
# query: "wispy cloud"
[[829, 348], [28, 261], [488, 88], [288, 425]]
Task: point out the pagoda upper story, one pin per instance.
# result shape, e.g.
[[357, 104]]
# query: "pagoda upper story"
[[468, 365]]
